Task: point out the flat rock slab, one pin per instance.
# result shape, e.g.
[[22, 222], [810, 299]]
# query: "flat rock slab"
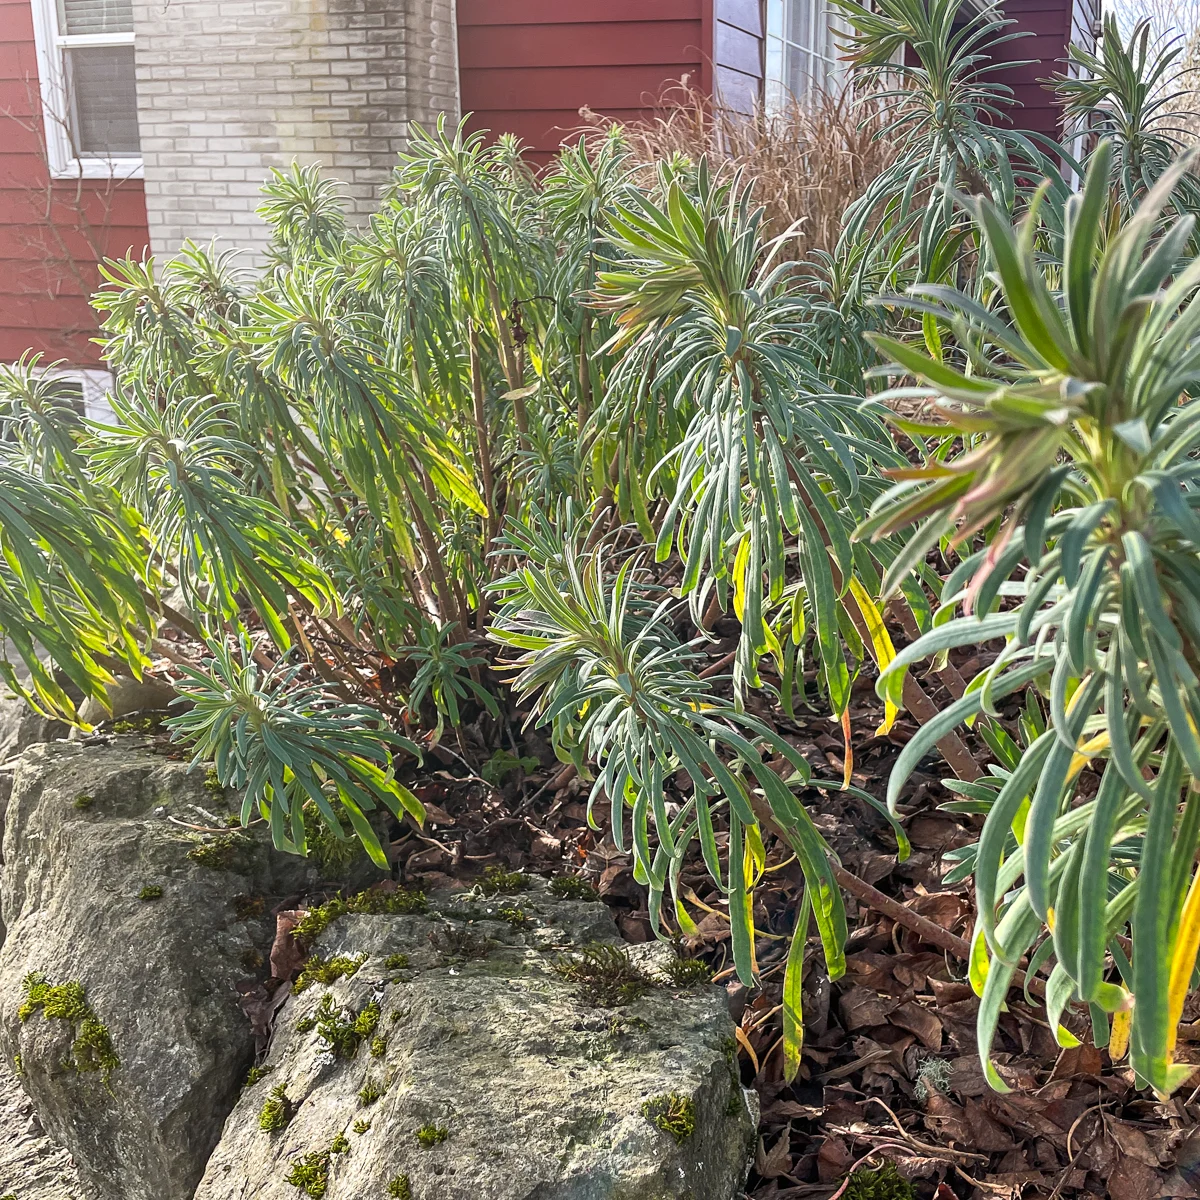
[[488, 1076]]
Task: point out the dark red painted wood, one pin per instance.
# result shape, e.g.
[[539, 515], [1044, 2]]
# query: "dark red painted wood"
[[529, 66], [47, 265]]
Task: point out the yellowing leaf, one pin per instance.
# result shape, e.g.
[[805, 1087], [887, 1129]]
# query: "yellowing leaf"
[[793, 1009], [739, 576], [881, 646], [1183, 961], [1118, 1042], [1086, 752]]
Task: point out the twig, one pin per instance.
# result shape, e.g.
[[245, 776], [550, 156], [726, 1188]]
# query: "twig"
[[926, 1147]]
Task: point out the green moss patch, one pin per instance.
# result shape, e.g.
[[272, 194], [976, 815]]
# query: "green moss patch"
[[673, 1114], [373, 902], [310, 1174], [92, 1049], [151, 891], [496, 881], [247, 908], [572, 887], [400, 1188], [319, 970], [604, 975], [276, 1111], [219, 853], [429, 1136], [884, 1184], [343, 1029], [255, 1074], [688, 972]]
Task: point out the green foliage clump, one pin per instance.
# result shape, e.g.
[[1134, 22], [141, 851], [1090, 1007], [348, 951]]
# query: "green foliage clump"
[[326, 971], [504, 763], [396, 962], [219, 853], [369, 1092], [342, 1029], [92, 1049], [152, 891], [430, 1135], [673, 1114], [276, 1111], [886, 1183], [496, 881], [688, 972], [83, 802], [340, 1144], [597, 410], [334, 851], [256, 1073], [311, 1174], [372, 902], [604, 975], [516, 916], [212, 781], [572, 887], [400, 1188], [378, 1046], [361, 1125]]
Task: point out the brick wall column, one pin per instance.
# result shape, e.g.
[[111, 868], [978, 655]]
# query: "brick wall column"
[[228, 89]]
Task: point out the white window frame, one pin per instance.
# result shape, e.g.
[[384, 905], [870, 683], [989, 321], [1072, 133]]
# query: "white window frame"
[[56, 102], [835, 68], [95, 383]]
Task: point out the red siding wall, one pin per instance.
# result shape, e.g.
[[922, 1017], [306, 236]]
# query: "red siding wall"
[[1050, 22], [47, 264], [528, 66]]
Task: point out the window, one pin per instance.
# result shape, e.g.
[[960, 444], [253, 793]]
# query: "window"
[[82, 391], [802, 54], [89, 92]]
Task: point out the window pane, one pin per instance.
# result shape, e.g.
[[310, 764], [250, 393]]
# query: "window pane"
[[775, 18], [103, 101], [95, 16], [800, 13], [774, 60], [799, 67]]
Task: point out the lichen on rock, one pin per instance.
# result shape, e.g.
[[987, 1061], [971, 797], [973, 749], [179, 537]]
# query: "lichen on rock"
[[497, 1080]]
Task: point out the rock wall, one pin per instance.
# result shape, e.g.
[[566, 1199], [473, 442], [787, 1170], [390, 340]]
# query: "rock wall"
[[455, 1047]]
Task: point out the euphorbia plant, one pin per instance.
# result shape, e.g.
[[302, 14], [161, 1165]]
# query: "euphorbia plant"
[[1064, 468]]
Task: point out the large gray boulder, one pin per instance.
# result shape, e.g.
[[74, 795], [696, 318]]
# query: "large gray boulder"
[[20, 728], [479, 1072], [119, 977], [32, 1167]]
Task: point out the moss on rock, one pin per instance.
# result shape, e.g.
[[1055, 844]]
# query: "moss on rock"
[[92, 1049]]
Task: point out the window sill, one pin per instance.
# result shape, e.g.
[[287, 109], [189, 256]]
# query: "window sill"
[[116, 169]]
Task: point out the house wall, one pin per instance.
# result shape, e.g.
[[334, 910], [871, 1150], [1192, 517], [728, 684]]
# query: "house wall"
[[1051, 26], [737, 53], [228, 89], [50, 232], [529, 66]]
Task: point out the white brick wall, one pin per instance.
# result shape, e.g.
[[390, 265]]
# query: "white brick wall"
[[228, 89]]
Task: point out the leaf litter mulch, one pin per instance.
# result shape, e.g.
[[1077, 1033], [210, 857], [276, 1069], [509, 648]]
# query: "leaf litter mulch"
[[890, 1070]]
